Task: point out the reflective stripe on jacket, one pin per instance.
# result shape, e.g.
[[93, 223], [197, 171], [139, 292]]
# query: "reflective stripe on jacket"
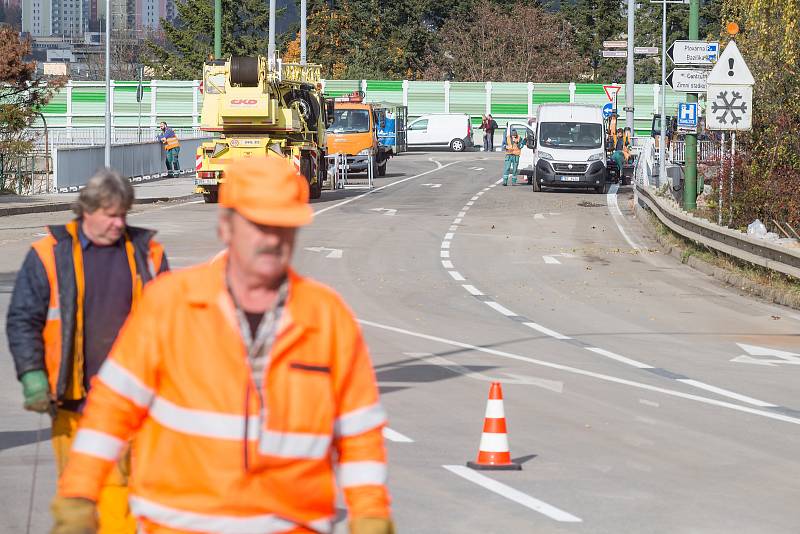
[[203, 458], [61, 255]]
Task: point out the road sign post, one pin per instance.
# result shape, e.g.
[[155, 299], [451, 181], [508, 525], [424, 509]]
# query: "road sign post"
[[729, 103], [693, 184]]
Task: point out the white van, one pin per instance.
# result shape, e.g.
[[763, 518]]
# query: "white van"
[[568, 148], [441, 129]]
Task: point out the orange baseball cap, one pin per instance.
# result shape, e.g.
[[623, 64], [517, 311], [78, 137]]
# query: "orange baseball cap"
[[266, 190]]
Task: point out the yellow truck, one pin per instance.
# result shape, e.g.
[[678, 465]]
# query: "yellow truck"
[[258, 108], [354, 134]]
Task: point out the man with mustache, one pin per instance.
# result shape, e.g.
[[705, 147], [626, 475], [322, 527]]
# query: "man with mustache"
[[243, 385]]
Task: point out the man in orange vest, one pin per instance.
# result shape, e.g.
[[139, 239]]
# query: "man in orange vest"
[[246, 388], [71, 297], [172, 147]]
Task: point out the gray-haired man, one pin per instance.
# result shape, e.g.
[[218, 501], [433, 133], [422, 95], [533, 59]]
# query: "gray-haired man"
[[71, 297]]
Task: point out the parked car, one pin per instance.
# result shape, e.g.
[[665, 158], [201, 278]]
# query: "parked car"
[[441, 129], [568, 148]]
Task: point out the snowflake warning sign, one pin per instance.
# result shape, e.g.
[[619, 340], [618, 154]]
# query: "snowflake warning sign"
[[729, 95], [729, 107]]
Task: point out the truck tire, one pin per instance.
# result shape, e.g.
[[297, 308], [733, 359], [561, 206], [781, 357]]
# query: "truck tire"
[[457, 145], [307, 170], [307, 105]]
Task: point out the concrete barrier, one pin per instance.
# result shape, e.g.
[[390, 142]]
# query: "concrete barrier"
[[73, 166]]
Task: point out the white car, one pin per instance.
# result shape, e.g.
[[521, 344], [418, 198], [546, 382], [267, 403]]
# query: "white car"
[[452, 130], [568, 148]]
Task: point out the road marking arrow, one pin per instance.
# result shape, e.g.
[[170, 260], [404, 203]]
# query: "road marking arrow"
[[432, 186], [333, 253], [387, 211], [786, 358]]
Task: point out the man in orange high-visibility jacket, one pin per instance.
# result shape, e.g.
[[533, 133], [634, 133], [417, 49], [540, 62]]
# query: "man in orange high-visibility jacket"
[[247, 389], [71, 297], [172, 147]]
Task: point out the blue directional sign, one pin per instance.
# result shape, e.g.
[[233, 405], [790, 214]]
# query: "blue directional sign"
[[607, 110], [687, 115]]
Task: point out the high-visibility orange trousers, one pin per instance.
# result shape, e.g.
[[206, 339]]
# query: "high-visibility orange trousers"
[[112, 508]]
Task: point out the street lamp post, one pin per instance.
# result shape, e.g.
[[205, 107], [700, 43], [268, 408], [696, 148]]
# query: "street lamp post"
[[108, 84], [662, 168], [303, 13]]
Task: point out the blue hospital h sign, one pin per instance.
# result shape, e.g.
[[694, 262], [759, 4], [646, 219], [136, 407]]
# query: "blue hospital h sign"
[[687, 115]]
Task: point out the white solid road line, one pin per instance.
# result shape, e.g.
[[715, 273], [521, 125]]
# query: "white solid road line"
[[546, 331], [456, 276], [393, 435], [538, 216], [726, 393], [623, 359], [616, 214], [550, 260], [502, 309], [514, 495], [349, 200], [472, 289], [591, 374]]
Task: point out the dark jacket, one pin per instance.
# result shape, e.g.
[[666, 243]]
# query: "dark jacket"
[[27, 312]]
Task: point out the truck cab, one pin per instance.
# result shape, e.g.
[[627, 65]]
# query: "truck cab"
[[568, 148], [354, 133]]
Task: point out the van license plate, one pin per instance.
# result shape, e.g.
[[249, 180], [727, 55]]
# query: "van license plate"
[[570, 178]]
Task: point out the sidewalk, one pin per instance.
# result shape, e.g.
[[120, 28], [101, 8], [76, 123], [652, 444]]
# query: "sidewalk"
[[167, 190]]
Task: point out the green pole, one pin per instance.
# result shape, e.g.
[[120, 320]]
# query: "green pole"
[[217, 29], [692, 185]]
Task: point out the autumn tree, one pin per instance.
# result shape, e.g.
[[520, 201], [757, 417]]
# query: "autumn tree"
[[128, 51], [526, 43], [768, 172], [22, 95]]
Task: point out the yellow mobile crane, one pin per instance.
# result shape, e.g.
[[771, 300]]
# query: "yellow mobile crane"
[[262, 108]]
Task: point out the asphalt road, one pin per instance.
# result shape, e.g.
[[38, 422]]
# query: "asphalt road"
[[623, 399]]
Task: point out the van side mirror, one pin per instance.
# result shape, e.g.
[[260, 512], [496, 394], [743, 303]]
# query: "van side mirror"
[[530, 142]]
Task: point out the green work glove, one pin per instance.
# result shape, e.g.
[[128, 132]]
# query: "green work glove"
[[36, 390], [73, 515], [371, 525]]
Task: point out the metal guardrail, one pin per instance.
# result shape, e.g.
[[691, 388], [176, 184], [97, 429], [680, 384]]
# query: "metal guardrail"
[[707, 151], [73, 166], [93, 136], [728, 241]]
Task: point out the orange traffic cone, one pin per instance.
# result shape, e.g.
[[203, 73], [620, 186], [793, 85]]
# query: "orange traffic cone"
[[493, 452]]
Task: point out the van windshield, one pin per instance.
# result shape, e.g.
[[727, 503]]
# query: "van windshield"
[[571, 135], [350, 121]]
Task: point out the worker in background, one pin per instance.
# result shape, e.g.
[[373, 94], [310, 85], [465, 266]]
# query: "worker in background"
[[491, 126], [243, 385], [513, 150], [71, 297], [172, 147], [619, 147], [626, 145]]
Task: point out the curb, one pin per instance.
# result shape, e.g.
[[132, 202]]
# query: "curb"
[[67, 206], [771, 294]]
